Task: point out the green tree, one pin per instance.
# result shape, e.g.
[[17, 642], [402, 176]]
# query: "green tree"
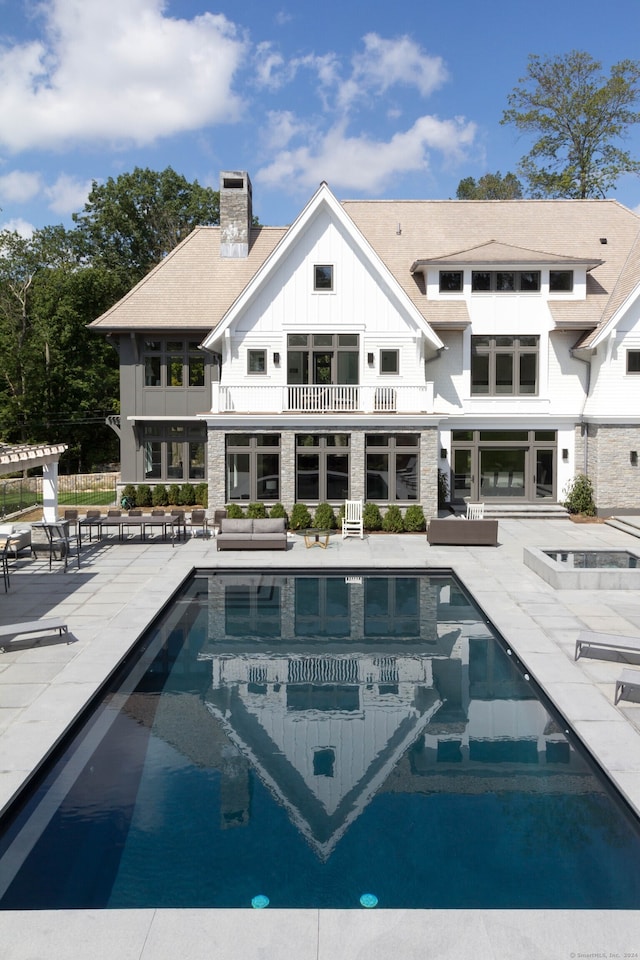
[[577, 116], [491, 186], [130, 223]]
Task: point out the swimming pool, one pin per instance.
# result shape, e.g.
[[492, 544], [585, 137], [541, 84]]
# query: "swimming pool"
[[312, 739]]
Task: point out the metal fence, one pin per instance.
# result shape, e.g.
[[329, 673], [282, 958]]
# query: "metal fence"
[[81, 490]]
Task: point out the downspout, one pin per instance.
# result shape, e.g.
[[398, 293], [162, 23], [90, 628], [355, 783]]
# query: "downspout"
[[583, 426]]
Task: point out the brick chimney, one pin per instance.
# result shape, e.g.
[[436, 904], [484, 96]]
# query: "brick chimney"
[[236, 213]]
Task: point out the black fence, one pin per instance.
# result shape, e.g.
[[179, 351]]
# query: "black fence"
[[84, 490]]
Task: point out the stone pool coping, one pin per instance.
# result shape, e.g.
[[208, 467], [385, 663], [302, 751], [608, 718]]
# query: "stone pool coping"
[[117, 591], [562, 577]]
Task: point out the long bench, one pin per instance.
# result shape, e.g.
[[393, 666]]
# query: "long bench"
[[49, 625], [460, 532], [629, 679], [606, 641]]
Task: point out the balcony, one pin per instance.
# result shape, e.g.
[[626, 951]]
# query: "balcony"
[[338, 398]]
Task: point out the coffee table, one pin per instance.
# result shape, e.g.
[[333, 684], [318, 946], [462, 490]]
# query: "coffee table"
[[316, 538]]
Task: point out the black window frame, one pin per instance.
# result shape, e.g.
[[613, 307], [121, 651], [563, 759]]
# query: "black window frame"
[[506, 281], [455, 283], [161, 356], [386, 354], [392, 447], [256, 447], [254, 353], [633, 365], [556, 286], [323, 278], [323, 446], [166, 444]]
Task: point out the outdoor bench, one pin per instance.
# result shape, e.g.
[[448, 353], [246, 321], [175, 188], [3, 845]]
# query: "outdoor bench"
[[627, 679], [50, 625], [606, 641]]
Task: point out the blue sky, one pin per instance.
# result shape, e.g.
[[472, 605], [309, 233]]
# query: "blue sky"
[[379, 99]]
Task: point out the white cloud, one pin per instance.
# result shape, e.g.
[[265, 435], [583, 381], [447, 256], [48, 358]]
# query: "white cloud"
[[282, 127], [67, 194], [18, 225], [269, 67], [18, 186], [119, 71], [362, 163]]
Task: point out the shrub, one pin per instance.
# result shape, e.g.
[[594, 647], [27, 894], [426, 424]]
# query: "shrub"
[[128, 499], [324, 518], [392, 521], [443, 489], [187, 495], [277, 510], [256, 511], [159, 496], [173, 495], [202, 494], [234, 511], [579, 496], [300, 517], [143, 495], [414, 520], [371, 517]]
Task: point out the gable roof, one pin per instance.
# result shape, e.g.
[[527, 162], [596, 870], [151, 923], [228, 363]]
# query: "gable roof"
[[323, 200]]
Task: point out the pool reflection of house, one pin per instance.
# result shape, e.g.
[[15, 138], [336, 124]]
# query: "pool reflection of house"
[[329, 709]]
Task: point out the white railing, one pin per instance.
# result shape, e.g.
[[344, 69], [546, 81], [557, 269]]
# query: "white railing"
[[339, 398]]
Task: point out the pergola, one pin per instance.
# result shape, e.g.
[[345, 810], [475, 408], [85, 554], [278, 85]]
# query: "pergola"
[[24, 456]]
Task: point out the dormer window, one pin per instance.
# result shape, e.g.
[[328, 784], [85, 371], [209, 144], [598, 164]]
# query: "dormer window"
[[323, 277], [560, 281], [451, 281], [505, 281]]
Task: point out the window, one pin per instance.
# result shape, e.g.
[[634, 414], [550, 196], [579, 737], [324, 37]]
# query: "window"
[[256, 361], [560, 281], [253, 467], [173, 363], [389, 361], [633, 361], [323, 358], [323, 277], [392, 466], [504, 365], [174, 451], [451, 281], [505, 281], [322, 467]]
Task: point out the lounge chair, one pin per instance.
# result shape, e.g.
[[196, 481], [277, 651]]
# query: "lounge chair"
[[475, 511]]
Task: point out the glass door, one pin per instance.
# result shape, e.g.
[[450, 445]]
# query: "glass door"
[[502, 473], [462, 478], [544, 474]]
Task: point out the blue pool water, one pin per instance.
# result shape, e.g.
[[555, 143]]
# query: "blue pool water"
[[321, 741]]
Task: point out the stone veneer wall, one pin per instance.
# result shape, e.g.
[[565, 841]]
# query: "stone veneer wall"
[[616, 481], [428, 468]]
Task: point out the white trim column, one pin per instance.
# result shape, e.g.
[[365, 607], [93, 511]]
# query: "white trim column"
[[50, 492]]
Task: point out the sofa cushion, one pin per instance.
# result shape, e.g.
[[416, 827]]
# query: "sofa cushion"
[[270, 525], [229, 525], [6, 528]]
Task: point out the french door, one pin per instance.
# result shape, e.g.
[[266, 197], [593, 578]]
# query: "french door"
[[508, 466]]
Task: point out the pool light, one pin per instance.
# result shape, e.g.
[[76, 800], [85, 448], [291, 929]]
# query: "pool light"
[[260, 902], [369, 900]]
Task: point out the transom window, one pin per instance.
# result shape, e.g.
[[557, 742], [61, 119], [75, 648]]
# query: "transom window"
[[633, 361], [393, 464], [253, 467], [505, 281], [323, 358], [323, 276], [174, 451], [504, 365], [561, 281], [173, 363], [322, 467]]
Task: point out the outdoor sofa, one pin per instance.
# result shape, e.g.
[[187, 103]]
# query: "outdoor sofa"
[[19, 537], [247, 534], [460, 532]]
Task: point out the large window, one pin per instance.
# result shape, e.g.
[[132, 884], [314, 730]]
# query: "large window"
[[392, 466], [173, 363], [504, 365], [253, 467], [633, 361], [323, 358], [322, 467], [174, 452]]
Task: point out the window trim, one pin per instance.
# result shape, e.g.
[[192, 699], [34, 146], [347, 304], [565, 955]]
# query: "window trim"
[[392, 449], [323, 450], [566, 290], [389, 373], [451, 273], [253, 353], [318, 285], [494, 288], [495, 350], [636, 355], [254, 448], [167, 435], [164, 351]]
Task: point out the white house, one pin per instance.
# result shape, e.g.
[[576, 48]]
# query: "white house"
[[372, 344]]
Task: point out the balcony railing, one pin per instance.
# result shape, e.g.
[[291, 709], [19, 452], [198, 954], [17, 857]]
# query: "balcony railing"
[[339, 398]]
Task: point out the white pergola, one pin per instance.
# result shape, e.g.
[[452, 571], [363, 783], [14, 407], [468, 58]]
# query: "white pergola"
[[15, 457]]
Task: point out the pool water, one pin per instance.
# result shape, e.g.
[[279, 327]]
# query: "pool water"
[[311, 740], [595, 559]]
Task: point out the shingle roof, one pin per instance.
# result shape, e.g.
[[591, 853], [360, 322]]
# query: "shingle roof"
[[193, 287]]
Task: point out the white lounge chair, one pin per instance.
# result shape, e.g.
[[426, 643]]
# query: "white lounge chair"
[[352, 520], [475, 511]]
